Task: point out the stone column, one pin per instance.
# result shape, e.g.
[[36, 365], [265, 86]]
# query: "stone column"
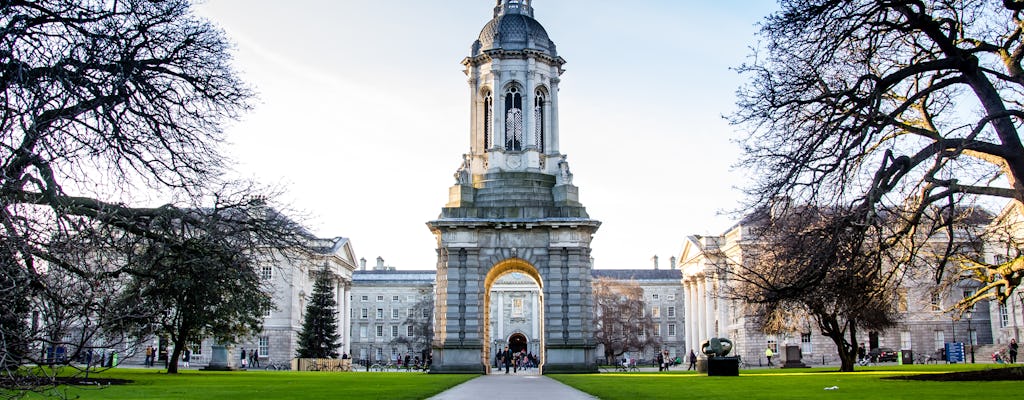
[[346, 317], [500, 316], [709, 312], [689, 315], [528, 96], [701, 316]]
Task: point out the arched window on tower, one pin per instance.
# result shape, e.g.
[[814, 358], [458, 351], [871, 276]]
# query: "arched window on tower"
[[488, 119], [513, 119], [538, 119]]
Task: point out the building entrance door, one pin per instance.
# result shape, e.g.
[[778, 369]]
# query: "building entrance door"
[[517, 342]]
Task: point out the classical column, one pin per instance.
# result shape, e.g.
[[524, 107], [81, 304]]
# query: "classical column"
[[691, 314], [709, 298], [701, 316], [346, 313], [500, 315]]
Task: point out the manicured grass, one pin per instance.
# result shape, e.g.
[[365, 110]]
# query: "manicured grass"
[[250, 385], [754, 384]]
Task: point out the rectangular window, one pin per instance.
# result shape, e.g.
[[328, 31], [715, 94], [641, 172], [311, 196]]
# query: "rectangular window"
[[365, 298], [394, 330], [806, 344], [409, 313], [267, 272], [654, 296], [672, 297], [394, 313], [394, 298], [1004, 316], [380, 330], [380, 313], [426, 313], [362, 333], [940, 340], [772, 344], [264, 346], [641, 332], [656, 312], [972, 337], [409, 330], [517, 308], [269, 311], [380, 353], [906, 341], [936, 302], [671, 311], [671, 330], [380, 297], [968, 293], [410, 298], [365, 314]]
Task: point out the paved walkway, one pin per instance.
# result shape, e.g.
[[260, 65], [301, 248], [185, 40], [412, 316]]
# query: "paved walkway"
[[518, 387]]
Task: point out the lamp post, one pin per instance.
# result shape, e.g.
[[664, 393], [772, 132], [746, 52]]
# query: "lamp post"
[[970, 337]]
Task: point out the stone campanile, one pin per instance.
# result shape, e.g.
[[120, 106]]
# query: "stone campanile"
[[513, 207]]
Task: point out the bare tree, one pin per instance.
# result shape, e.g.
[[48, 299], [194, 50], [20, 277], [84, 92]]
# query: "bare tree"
[[105, 104], [621, 323], [422, 322], [902, 108], [816, 266]]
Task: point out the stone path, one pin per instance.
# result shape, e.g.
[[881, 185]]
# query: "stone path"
[[518, 387]]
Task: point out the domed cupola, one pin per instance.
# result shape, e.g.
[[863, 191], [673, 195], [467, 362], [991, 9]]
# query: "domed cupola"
[[514, 29]]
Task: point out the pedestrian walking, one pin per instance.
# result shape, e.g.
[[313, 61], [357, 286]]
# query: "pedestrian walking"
[[1013, 351], [768, 353], [693, 361], [186, 357]]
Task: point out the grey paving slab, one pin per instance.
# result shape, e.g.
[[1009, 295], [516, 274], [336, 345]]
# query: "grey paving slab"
[[518, 387]]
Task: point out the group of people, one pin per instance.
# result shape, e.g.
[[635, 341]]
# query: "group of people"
[[515, 359], [1010, 355], [250, 359]]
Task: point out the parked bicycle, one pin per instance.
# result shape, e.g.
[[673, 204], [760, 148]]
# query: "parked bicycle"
[[278, 366]]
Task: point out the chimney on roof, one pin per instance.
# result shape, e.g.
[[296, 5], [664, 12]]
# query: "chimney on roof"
[[380, 264], [362, 264], [672, 263], [655, 260]]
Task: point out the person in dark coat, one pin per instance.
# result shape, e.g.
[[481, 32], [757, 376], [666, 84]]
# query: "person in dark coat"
[[693, 361]]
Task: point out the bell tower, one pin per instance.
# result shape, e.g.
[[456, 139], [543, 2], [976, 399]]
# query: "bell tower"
[[513, 207]]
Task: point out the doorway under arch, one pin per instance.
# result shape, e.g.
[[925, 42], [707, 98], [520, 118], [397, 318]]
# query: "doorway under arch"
[[502, 268], [517, 342]]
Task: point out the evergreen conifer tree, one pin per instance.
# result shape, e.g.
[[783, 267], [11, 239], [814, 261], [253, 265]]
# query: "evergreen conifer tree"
[[319, 337]]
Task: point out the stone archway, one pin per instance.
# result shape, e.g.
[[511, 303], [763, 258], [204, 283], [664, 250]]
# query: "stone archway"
[[500, 269]]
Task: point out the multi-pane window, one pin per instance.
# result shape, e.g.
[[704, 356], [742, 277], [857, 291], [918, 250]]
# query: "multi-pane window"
[[774, 345], [410, 312], [380, 313], [380, 353], [264, 346], [936, 302], [656, 312], [940, 339], [380, 330], [488, 119], [513, 119], [655, 296], [1004, 316], [426, 313], [538, 119], [380, 297], [672, 297], [362, 332], [671, 329], [365, 298], [968, 293], [905, 340], [267, 272], [671, 311], [394, 330], [394, 313], [409, 330], [805, 343], [394, 298], [364, 314], [657, 330]]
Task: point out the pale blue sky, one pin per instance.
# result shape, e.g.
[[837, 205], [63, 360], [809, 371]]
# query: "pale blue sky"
[[364, 114]]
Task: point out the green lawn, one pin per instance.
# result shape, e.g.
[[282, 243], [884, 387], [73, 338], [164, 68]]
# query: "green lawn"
[[752, 384], [260, 385], [793, 384]]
